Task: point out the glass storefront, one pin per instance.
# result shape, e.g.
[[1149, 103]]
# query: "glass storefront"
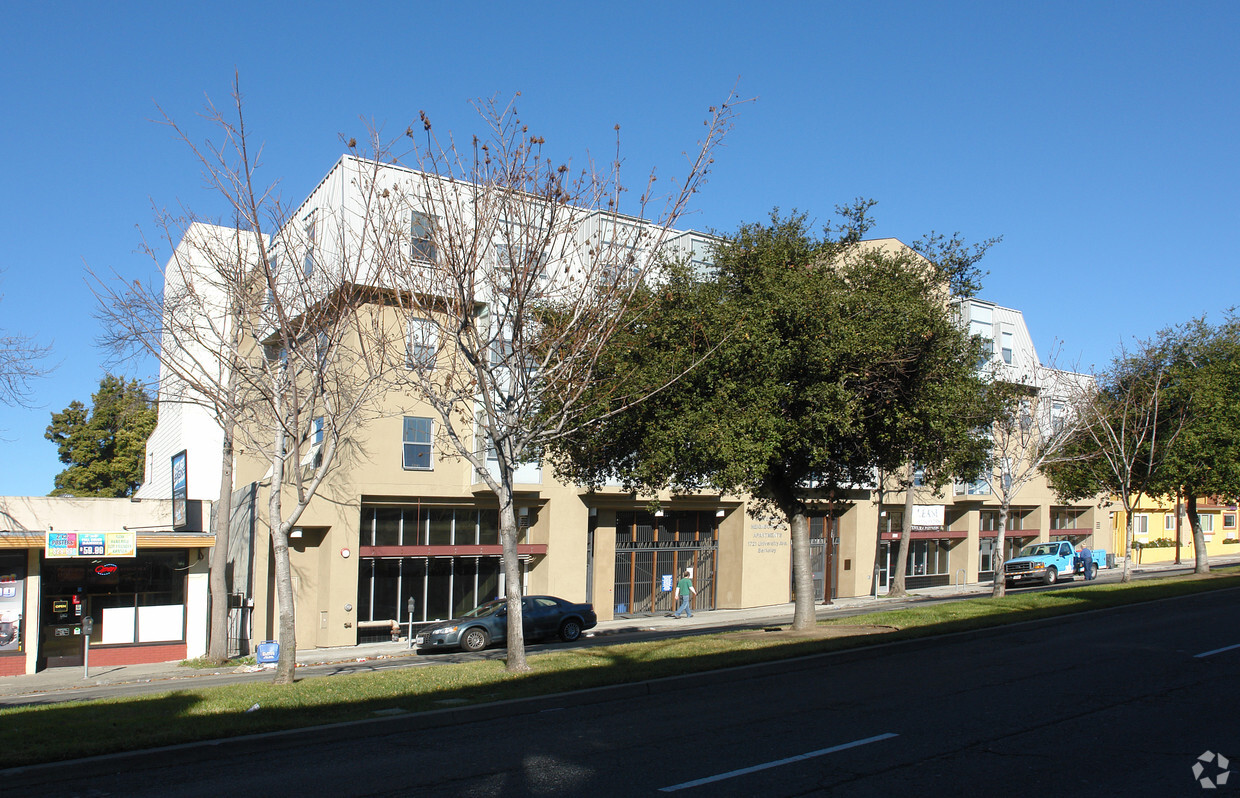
[[408, 561], [928, 562], [131, 600]]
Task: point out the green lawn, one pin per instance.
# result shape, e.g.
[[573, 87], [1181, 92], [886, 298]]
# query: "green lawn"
[[70, 730]]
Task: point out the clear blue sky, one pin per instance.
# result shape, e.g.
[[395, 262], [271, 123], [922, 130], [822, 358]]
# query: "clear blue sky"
[[1099, 139]]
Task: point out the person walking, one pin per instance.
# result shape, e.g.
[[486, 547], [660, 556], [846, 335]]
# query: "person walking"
[[687, 592]]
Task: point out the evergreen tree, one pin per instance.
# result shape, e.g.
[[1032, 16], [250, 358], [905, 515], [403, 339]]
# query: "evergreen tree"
[[104, 446], [808, 360]]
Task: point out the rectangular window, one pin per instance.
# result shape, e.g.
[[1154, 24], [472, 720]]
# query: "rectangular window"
[[421, 344], [417, 443], [1006, 339], [1141, 526], [421, 236], [1229, 520], [981, 325], [1169, 522], [1066, 518], [308, 263], [1207, 523]]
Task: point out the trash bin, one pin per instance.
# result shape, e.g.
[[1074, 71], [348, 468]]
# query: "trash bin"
[[268, 652]]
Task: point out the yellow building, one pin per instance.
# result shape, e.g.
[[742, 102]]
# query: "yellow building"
[[1159, 524]]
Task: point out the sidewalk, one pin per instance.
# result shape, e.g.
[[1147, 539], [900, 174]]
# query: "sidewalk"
[[57, 680]]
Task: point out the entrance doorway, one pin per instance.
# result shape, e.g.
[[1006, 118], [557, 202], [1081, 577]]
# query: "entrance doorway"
[[824, 549], [60, 634], [651, 553]]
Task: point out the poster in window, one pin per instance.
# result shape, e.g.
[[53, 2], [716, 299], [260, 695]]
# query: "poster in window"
[[180, 491], [12, 600]]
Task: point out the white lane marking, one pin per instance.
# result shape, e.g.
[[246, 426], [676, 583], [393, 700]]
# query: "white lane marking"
[[1215, 651], [766, 765]]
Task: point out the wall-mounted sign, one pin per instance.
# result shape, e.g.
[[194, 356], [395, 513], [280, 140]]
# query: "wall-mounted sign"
[[60, 545], [928, 516], [180, 490], [105, 568]]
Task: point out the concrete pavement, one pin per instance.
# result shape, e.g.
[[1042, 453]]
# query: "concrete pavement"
[[174, 675]]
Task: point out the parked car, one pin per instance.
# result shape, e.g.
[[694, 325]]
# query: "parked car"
[[541, 617]]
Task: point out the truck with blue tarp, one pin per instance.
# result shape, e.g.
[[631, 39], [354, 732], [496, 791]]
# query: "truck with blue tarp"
[[1047, 563]]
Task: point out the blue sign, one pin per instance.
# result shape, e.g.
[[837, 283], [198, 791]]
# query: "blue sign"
[[667, 583]]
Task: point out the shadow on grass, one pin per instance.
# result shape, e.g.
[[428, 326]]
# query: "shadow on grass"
[[47, 733]]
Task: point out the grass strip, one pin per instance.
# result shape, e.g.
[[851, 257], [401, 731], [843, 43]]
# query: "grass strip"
[[53, 732]]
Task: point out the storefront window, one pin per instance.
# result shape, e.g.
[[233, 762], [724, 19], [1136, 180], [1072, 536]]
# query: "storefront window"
[[12, 601], [132, 600]]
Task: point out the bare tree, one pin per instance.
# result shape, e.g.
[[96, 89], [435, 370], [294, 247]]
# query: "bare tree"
[[272, 326], [1037, 421], [21, 362], [1127, 428], [516, 271]]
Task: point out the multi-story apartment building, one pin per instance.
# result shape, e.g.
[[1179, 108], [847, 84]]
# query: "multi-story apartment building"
[[404, 522]]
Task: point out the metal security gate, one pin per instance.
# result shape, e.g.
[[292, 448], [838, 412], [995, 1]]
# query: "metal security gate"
[[823, 553], [652, 552]]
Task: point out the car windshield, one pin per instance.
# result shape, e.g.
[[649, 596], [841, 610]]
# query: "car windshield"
[[1039, 549], [484, 610]]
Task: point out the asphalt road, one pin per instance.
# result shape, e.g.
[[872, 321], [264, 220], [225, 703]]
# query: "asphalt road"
[[1115, 702]]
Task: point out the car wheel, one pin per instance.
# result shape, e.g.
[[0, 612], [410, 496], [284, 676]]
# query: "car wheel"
[[475, 639], [1093, 570], [570, 630], [1051, 575]]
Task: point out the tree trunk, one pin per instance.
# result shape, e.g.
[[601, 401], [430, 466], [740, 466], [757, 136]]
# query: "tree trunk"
[[286, 667], [508, 531], [1200, 554], [803, 615], [1126, 574], [898, 589], [1000, 583], [217, 647]]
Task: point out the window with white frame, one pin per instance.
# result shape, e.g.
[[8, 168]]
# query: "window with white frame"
[[1141, 527], [308, 263], [421, 344], [1207, 523], [422, 237], [1229, 520], [417, 443], [1169, 522], [314, 454], [516, 256], [1006, 346], [981, 324]]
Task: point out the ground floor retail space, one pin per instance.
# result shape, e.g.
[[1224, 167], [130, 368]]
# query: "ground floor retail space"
[[146, 606]]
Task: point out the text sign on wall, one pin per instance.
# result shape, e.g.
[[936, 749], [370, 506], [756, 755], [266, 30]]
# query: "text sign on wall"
[[928, 516], [60, 545]]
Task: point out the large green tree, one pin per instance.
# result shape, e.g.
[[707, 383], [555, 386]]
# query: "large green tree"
[[104, 445], [1204, 386], [801, 358]]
